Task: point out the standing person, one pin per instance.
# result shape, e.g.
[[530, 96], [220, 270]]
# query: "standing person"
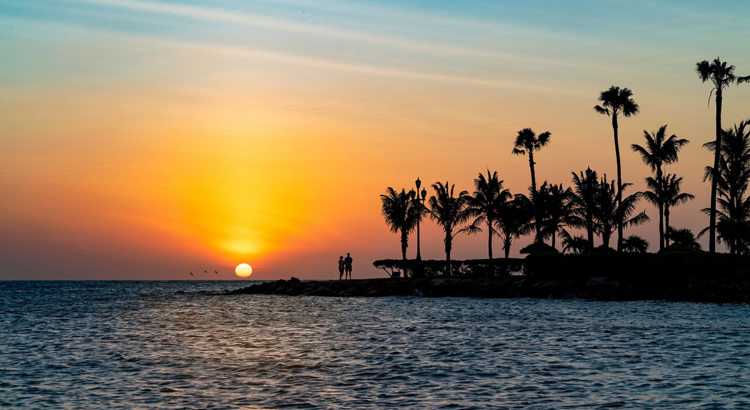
[[341, 267], [348, 265]]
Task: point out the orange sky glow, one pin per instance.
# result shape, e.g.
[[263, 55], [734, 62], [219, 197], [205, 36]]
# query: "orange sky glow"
[[133, 152]]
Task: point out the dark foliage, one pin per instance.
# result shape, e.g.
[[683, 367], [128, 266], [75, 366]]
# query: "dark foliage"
[[539, 247], [636, 266], [467, 268]]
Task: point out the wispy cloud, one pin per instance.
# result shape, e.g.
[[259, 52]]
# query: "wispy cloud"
[[368, 69], [246, 52], [219, 15]]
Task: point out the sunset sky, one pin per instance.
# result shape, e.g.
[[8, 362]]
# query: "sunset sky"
[[148, 139]]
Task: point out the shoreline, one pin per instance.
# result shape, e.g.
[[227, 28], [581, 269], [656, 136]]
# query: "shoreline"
[[599, 288]]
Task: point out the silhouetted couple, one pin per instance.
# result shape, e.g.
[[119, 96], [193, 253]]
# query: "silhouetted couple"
[[345, 267]]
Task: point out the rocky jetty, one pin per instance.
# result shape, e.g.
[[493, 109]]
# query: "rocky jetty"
[[724, 290]]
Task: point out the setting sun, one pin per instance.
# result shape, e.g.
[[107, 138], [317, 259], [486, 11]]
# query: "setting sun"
[[243, 270]]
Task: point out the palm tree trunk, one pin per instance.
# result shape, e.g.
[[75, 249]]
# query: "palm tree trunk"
[[733, 214], [605, 239], [717, 154], [537, 222], [489, 242], [619, 181], [506, 247], [404, 243], [448, 245], [666, 224], [660, 195], [661, 226]]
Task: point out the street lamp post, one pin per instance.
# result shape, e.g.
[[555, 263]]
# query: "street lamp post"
[[423, 195], [589, 184]]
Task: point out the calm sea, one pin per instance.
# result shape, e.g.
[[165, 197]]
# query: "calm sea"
[[142, 345]]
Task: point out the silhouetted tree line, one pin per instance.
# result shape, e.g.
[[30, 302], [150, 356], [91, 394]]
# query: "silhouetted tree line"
[[594, 204]]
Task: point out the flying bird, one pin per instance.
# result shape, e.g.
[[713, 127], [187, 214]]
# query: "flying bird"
[[217, 272], [191, 274], [205, 271]]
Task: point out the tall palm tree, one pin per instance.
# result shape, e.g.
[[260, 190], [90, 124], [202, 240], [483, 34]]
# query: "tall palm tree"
[[557, 210], [616, 102], [449, 212], [489, 196], [526, 143], [584, 201], [514, 221], [734, 169], [732, 184], [401, 214], [659, 150], [609, 215], [721, 76]]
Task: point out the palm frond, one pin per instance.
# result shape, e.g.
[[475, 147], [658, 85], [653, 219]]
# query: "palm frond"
[[601, 110], [639, 219]]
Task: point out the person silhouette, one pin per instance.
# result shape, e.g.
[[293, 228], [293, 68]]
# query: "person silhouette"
[[348, 265], [341, 267]]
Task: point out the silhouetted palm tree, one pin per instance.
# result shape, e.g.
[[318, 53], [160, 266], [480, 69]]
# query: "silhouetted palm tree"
[[485, 205], [741, 208], [634, 244], [735, 233], [682, 239], [659, 150], [576, 245], [556, 210], [734, 170], [609, 215], [721, 76], [673, 196], [616, 102], [733, 177], [584, 201], [514, 221], [666, 192], [526, 143], [401, 214], [449, 212]]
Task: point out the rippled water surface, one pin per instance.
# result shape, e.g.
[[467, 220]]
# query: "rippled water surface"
[[142, 345]]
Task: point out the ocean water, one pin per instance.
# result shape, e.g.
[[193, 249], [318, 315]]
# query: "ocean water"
[[142, 345]]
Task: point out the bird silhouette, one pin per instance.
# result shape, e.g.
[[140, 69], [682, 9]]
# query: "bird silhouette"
[[191, 274], [205, 271], [217, 272]]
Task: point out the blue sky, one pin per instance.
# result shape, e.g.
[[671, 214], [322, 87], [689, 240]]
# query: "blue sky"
[[492, 41]]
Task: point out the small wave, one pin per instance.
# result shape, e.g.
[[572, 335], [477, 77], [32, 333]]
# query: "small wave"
[[178, 347]]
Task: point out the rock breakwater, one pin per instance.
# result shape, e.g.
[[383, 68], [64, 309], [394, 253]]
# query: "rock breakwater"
[[724, 290]]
